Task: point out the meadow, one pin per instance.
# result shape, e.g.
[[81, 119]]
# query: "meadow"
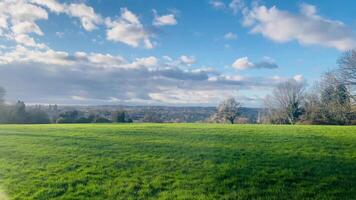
[[177, 161]]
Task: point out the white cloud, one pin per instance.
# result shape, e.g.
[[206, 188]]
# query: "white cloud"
[[148, 62], [103, 59], [23, 55], [86, 14], [100, 60], [164, 20], [187, 60], [20, 10], [299, 78], [88, 18], [128, 30], [306, 27], [244, 63], [230, 36], [18, 20], [53, 5], [26, 40], [25, 27]]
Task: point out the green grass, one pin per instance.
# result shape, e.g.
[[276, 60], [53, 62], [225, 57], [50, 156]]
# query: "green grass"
[[177, 161]]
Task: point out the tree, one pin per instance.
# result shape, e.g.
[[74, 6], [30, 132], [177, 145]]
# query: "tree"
[[68, 117], [2, 95], [102, 120], [119, 116], [3, 111], [37, 116], [347, 71], [18, 113], [286, 101], [347, 67], [312, 107], [335, 99], [229, 110]]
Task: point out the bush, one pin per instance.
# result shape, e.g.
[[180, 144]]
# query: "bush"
[[102, 120]]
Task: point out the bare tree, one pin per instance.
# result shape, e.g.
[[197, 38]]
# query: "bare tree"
[[229, 110], [347, 67], [286, 101], [335, 99], [347, 71]]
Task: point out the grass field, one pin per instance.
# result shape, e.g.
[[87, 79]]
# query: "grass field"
[[177, 161]]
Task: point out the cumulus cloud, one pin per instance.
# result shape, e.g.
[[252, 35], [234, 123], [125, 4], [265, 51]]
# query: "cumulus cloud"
[[86, 14], [306, 27], [244, 63], [148, 62], [53, 5], [18, 19], [22, 55], [187, 60], [164, 20], [88, 18], [129, 30]]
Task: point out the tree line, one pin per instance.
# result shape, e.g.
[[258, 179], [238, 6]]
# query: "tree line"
[[19, 113]]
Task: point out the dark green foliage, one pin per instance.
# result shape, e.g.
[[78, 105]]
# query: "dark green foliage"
[[84, 120], [119, 116], [69, 117], [2, 95], [18, 114], [37, 116], [177, 161], [102, 120]]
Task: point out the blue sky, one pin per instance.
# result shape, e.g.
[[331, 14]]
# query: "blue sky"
[[159, 52]]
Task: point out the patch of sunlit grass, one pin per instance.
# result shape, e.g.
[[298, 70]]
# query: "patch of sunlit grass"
[[3, 195]]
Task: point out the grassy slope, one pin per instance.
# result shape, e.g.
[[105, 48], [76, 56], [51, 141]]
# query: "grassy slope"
[[177, 161]]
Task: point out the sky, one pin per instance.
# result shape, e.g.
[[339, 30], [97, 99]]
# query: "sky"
[[157, 52]]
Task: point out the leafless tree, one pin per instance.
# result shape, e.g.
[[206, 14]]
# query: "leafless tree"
[[229, 110], [347, 67], [285, 103], [347, 71]]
